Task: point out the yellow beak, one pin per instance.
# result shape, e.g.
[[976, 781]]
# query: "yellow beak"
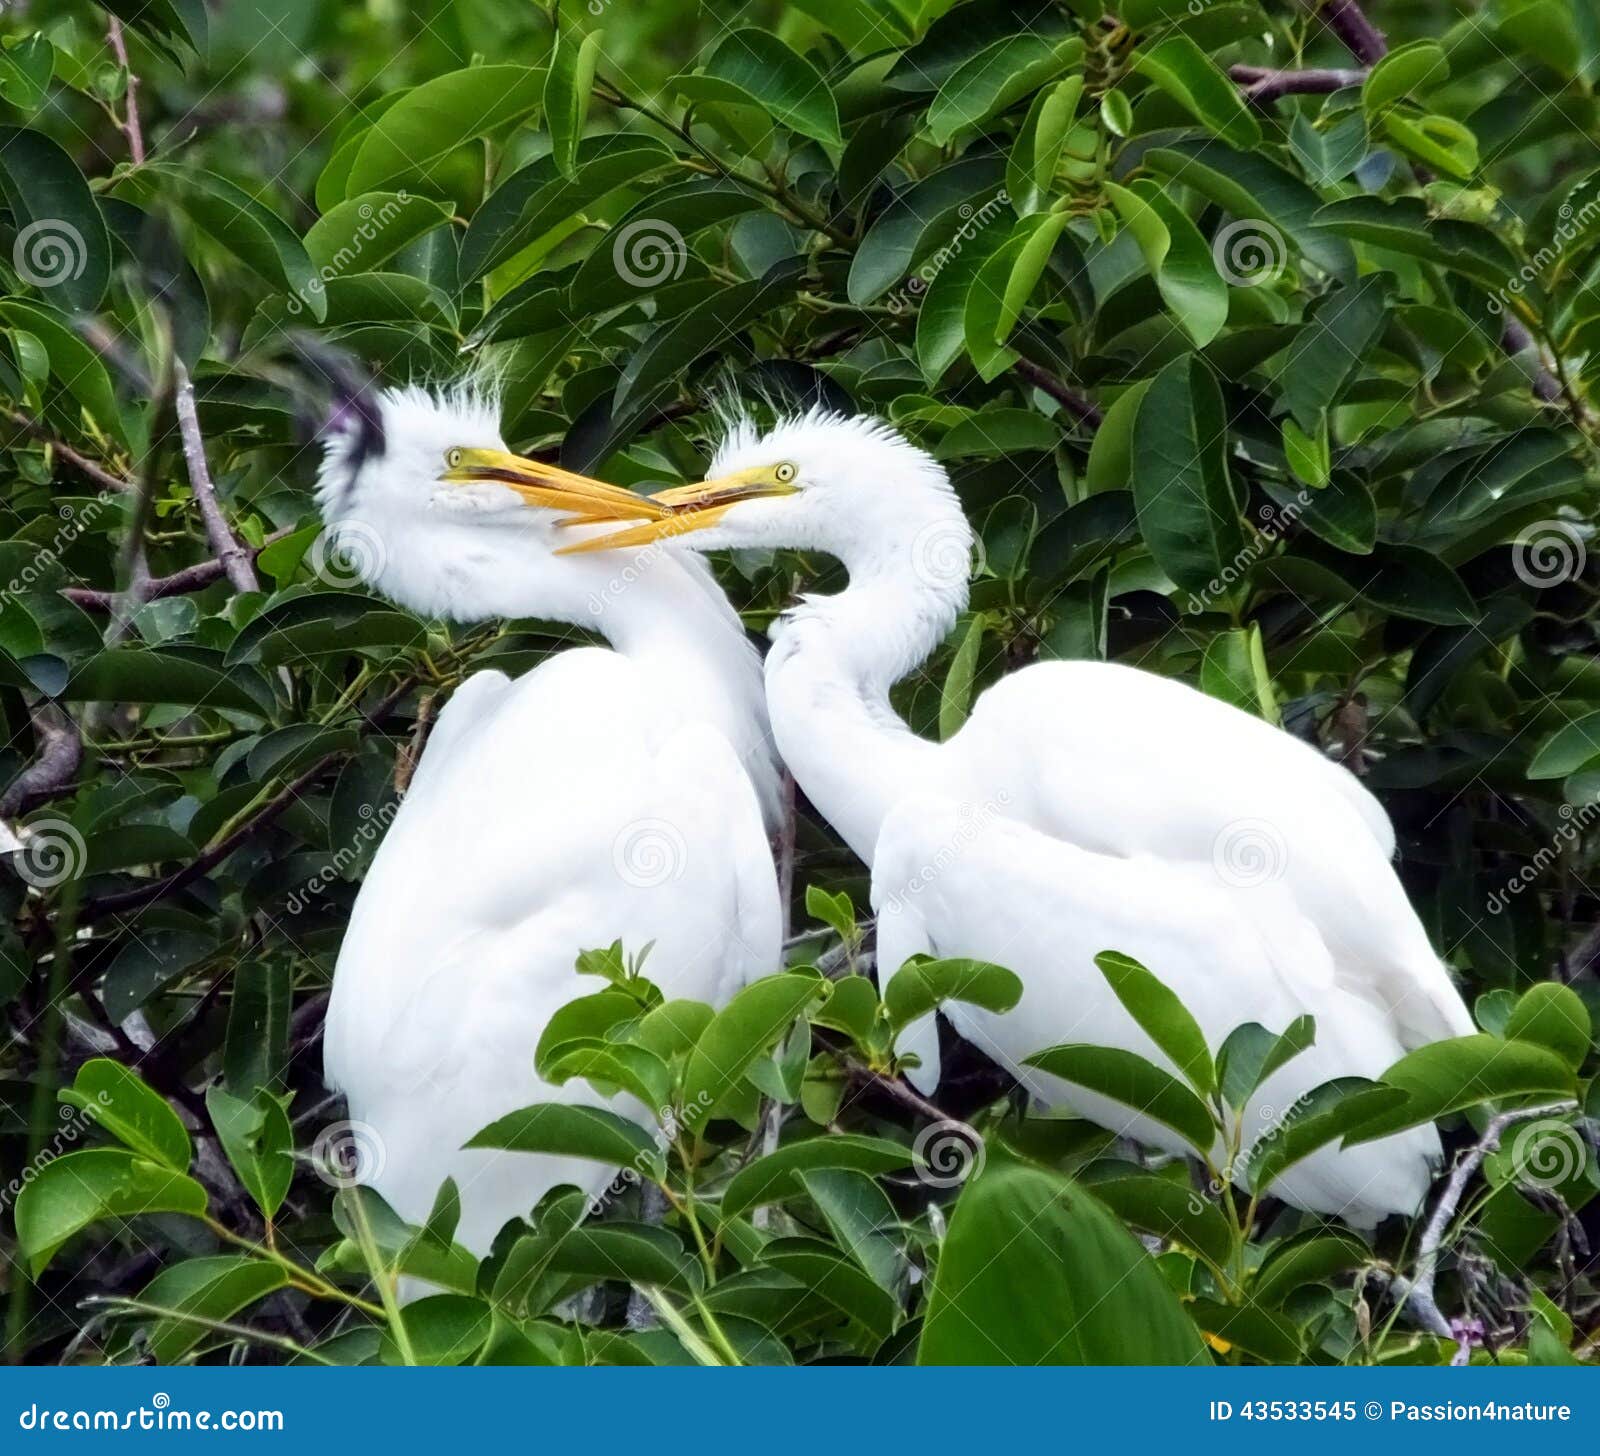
[[550, 486], [687, 508]]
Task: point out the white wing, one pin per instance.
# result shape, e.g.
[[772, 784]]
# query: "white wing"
[[951, 881], [1129, 764], [549, 815]]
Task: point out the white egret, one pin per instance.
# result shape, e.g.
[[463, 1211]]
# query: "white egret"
[[1083, 807], [607, 793]]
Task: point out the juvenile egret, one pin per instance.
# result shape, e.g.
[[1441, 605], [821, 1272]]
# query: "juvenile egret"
[[607, 793], [1083, 807]]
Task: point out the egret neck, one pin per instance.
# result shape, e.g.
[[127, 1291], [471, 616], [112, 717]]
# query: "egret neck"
[[835, 658]]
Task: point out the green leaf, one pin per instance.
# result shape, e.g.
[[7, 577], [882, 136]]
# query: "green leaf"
[[1251, 1054], [125, 1106], [676, 344], [1568, 749], [72, 362], [1031, 168], [861, 1219], [1438, 141], [214, 1288], [941, 320], [78, 1189], [922, 985], [923, 217], [1554, 1016], [955, 697], [1034, 1272], [635, 1253], [575, 1131], [441, 1329], [1234, 669], [362, 232], [1186, 73], [566, 94], [248, 229], [539, 202], [1038, 237], [584, 1021], [1178, 259], [1404, 71], [1185, 502], [1305, 1261], [1260, 1332], [1128, 1078], [136, 675], [1169, 1210], [256, 1047], [1308, 454], [1448, 1076], [749, 1026], [259, 1142], [772, 1179], [410, 143], [755, 68], [1330, 350], [823, 1269], [1318, 1117], [997, 78], [1161, 1016], [61, 245]]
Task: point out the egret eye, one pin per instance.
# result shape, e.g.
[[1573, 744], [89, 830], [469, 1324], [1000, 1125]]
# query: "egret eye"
[[453, 458], [784, 473]]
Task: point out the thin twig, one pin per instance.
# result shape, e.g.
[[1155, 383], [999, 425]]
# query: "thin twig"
[[1068, 398], [1418, 1290], [1261, 85], [190, 579], [130, 121], [142, 895], [236, 560], [79, 462]]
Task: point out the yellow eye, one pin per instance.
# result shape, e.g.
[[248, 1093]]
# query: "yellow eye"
[[784, 473], [453, 458]]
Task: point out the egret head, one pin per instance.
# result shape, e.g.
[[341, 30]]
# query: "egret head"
[[847, 485], [424, 503]]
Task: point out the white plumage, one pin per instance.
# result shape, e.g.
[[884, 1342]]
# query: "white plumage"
[[1083, 807], [606, 794]]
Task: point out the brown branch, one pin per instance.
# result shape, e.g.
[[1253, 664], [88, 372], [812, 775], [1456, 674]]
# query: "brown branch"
[[236, 561], [81, 463], [1262, 85], [147, 894], [1418, 1290], [1078, 405], [130, 123], [190, 579], [1347, 20], [51, 772]]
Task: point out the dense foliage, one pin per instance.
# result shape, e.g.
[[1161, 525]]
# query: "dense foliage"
[[1262, 348]]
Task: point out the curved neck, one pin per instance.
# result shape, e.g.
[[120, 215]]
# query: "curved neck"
[[836, 658]]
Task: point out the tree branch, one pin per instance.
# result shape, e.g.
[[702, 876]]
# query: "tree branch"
[[236, 561], [190, 579], [1347, 20], [51, 772], [130, 123], [1418, 1290], [147, 894], [1262, 86], [1078, 405]]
